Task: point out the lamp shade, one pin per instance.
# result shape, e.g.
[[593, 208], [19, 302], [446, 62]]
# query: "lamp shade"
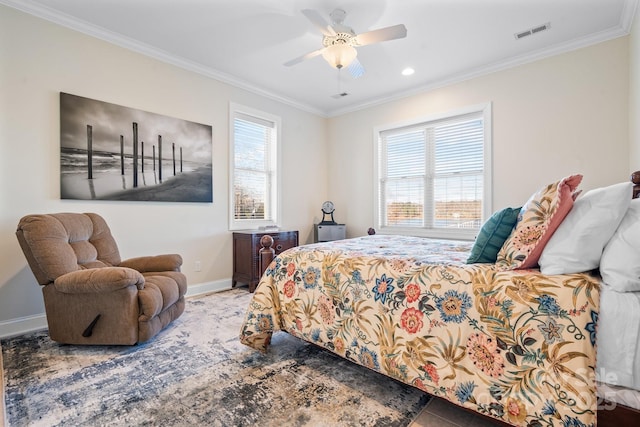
[[339, 55]]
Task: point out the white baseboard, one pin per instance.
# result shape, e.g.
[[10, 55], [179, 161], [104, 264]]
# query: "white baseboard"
[[200, 289], [23, 325]]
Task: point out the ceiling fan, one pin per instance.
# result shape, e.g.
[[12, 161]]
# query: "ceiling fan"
[[339, 41]]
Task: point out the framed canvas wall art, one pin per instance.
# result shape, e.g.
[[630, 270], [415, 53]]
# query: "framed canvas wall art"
[[111, 152]]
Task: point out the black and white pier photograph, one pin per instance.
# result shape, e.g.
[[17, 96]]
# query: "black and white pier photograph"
[[112, 152]]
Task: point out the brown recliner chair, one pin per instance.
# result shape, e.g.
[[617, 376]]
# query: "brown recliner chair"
[[90, 295]]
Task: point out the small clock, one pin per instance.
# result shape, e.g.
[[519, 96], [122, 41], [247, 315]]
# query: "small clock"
[[327, 209]]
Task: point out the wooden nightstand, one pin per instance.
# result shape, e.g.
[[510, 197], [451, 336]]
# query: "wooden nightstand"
[[246, 251]]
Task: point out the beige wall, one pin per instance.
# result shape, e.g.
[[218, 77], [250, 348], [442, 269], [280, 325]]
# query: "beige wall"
[[37, 61], [634, 94], [551, 118]]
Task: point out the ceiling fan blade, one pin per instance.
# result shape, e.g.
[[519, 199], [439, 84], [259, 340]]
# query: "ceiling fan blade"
[[383, 34], [317, 20], [299, 59], [356, 69]]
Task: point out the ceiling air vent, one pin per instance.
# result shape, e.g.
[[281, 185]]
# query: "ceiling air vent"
[[339, 95], [532, 31]]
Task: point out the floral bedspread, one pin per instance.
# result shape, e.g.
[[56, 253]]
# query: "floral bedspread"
[[515, 345]]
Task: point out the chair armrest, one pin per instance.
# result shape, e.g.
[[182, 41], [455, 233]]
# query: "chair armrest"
[[96, 280], [167, 262]]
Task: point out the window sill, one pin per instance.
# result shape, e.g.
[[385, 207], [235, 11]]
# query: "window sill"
[[454, 234]]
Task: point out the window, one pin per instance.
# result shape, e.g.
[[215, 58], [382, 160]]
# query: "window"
[[254, 168], [433, 176]]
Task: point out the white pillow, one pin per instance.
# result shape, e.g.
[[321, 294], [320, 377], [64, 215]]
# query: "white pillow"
[[620, 266], [577, 244]]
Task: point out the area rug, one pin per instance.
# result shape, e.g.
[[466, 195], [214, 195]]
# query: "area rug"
[[2, 411], [197, 373]]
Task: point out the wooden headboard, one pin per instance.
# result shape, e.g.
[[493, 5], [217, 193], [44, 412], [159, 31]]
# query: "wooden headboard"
[[635, 178]]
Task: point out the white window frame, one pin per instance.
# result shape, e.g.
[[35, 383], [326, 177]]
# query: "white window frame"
[[274, 198], [487, 201]]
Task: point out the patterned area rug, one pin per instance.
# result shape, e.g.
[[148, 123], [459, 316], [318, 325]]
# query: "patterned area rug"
[[3, 416], [196, 372]]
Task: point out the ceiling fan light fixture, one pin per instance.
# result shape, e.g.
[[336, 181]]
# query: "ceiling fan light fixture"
[[339, 55]]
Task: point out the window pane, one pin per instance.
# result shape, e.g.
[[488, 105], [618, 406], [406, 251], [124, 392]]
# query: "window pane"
[[404, 202], [250, 147], [458, 201], [405, 154], [459, 147], [250, 188]]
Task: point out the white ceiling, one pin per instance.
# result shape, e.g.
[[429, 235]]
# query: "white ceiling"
[[246, 42]]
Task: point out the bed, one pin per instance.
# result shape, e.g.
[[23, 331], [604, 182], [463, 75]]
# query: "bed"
[[513, 344]]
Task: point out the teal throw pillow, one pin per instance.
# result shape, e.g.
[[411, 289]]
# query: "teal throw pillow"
[[492, 236]]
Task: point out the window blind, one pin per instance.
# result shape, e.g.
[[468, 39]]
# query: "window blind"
[[254, 168], [458, 174], [403, 183]]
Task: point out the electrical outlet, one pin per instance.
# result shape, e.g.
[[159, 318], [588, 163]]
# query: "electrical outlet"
[[197, 266]]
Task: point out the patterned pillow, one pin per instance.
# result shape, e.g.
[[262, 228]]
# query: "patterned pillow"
[[492, 236], [539, 219]]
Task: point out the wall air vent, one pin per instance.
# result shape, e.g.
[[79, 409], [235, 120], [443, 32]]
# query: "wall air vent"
[[532, 31]]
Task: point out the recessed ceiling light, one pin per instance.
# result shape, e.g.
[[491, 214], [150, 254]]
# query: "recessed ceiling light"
[[408, 71]]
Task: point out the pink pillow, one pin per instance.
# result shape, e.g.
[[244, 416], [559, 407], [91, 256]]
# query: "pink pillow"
[[539, 219]]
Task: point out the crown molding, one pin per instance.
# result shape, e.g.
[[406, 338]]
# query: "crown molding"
[[623, 29], [40, 11], [98, 32]]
